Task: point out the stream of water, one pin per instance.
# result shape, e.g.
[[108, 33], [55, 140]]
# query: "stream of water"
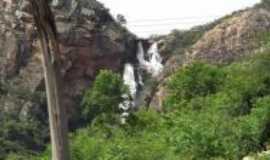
[[149, 61]]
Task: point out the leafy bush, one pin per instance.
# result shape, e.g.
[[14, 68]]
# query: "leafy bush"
[[264, 157], [14, 156], [144, 141], [216, 113], [226, 112], [18, 136], [105, 95], [194, 81]]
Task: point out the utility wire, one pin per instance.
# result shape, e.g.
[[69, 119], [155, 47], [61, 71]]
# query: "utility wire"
[[150, 31], [147, 24], [166, 24], [171, 19]]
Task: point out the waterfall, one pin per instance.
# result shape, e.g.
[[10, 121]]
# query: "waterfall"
[[130, 82], [154, 65], [155, 60], [129, 79], [140, 56]]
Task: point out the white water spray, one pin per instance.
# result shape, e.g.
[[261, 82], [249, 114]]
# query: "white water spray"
[[129, 79], [155, 60], [154, 66], [140, 56], [130, 82]]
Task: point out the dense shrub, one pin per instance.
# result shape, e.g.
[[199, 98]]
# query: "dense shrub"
[[194, 81], [14, 156], [20, 136], [263, 157], [104, 97], [145, 141], [227, 115], [216, 113]]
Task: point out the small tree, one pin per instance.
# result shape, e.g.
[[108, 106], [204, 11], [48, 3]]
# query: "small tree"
[[105, 95], [121, 19]]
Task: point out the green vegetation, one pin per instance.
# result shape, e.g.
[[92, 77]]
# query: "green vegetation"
[[20, 136], [103, 99], [226, 109], [176, 44], [21, 133], [263, 39], [264, 157], [212, 113], [178, 41]]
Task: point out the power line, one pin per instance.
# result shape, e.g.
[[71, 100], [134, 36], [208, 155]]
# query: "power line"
[[170, 19], [166, 24], [146, 24], [164, 30]]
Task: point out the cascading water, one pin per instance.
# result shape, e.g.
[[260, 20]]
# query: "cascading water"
[[129, 79], [155, 62], [154, 66], [130, 82], [140, 56]]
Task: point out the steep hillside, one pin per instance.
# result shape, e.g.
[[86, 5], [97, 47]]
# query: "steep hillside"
[[234, 37], [90, 40], [240, 34]]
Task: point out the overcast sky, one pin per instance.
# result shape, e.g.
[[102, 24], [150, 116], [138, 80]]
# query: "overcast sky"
[[146, 17]]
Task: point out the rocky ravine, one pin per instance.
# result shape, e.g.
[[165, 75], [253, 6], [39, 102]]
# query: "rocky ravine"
[[90, 40]]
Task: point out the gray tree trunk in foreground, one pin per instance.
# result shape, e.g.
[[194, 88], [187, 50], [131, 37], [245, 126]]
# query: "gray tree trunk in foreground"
[[47, 31]]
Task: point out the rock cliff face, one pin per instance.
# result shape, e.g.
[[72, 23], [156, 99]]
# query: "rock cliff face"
[[226, 40], [235, 37], [90, 40]]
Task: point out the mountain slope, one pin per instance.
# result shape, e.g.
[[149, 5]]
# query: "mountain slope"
[[235, 37], [230, 38]]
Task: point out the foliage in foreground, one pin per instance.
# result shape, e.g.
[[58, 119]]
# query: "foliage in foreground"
[[103, 99], [20, 136], [225, 111], [212, 113]]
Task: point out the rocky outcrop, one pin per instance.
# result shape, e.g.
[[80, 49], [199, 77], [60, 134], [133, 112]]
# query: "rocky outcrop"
[[90, 40], [235, 37], [226, 40]]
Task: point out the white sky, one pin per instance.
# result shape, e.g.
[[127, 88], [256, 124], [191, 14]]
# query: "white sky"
[[146, 17]]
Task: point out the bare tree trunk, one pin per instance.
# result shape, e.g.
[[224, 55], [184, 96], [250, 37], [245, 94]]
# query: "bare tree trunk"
[[47, 31]]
